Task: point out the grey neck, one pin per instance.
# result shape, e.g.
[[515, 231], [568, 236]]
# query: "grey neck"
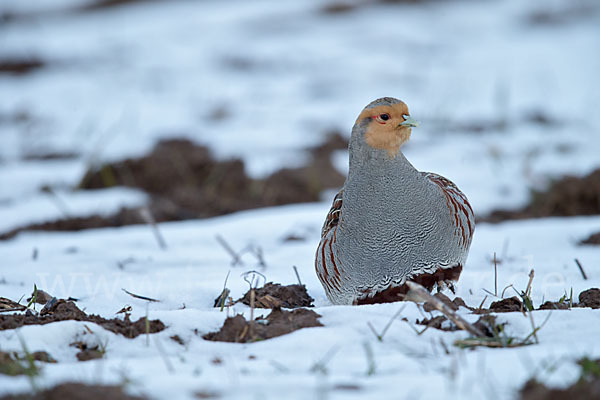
[[374, 164], [380, 183]]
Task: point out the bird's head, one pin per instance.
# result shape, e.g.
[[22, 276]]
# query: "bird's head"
[[384, 124]]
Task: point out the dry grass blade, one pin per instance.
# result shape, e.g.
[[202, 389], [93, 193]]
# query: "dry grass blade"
[[495, 275], [482, 303], [486, 342], [419, 293], [148, 218], [235, 258], [137, 296], [297, 275], [380, 336], [581, 269]]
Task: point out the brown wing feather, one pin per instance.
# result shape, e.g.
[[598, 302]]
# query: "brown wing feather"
[[333, 217], [458, 205]]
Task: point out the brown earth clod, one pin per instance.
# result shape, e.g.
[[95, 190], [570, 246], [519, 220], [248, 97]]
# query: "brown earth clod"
[[278, 322], [437, 322], [76, 391], [86, 352], [20, 66], [185, 181], [452, 304], [510, 304], [486, 324], [593, 239], [568, 196], [590, 298], [274, 295], [554, 305], [586, 387], [67, 310]]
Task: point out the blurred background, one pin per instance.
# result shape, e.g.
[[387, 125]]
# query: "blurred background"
[[200, 108]]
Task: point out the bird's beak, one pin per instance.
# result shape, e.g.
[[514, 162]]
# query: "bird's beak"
[[409, 122]]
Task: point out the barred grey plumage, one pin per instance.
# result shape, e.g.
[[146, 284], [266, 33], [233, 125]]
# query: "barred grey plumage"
[[390, 223]]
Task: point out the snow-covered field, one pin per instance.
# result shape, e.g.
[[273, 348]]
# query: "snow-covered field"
[[264, 80]]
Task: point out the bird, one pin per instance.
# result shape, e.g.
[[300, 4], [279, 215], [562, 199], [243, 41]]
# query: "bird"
[[391, 223]]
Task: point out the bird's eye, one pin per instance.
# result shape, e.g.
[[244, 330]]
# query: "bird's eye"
[[381, 118]]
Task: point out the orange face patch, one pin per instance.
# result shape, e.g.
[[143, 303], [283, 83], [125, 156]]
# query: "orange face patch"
[[385, 131]]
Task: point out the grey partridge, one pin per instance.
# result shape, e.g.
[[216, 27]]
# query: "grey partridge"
[[391, 223]]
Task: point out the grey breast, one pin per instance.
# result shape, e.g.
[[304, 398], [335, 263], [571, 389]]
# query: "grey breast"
[[395, 224]]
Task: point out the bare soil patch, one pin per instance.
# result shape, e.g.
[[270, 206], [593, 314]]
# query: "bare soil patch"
[[185, 181], [590, 298], [593, 239], [585, 388], [76, 391], [278, 322], [486, 324], [275, 295], [86, 352], [438, 322], [554, 305], [510, 304], [67, 310], [452, 304], [568, 196], [20, 66], [534, 390]]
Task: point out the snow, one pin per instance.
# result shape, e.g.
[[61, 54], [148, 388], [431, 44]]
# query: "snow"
[[192, 271], [65, 203], [283, 74]]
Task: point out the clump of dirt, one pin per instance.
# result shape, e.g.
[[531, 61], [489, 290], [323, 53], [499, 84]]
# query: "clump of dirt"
[[67, 310], [49, 156], [566, 197], [86, 352], [100, 5], [274, 295], [593, 239], [20, 66], [590, 298], [41, 297], [345, 6], [42, 356], [184, 181], [553, 16], [76, 391], [124, 216], [486, 324], [439, 322], [177, 339], [338, 7], [452, 304], [586, 387], [278, 322], [510, 304], [554, 305]]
